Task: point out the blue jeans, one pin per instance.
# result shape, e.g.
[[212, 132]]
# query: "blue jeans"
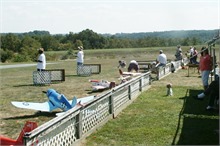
[[79, 64], [161, 65], [205, 77]]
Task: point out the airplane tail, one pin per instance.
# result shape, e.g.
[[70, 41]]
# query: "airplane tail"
[[28, 127], [74, 101], [112, 85], [121, 72]]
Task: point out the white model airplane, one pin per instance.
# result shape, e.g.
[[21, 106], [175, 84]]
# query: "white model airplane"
[[99, 85], [56, 101], [127, 75]]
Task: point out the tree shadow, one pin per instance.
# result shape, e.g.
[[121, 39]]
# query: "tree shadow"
[[196, 125]]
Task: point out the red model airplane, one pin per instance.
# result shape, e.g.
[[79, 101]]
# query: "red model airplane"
[[28, 127]]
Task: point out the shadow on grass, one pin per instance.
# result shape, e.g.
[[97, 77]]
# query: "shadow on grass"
[[196, 125], [39, 85], [71, 76], [78, 76], [37, 114], [98, 91], [24, 85]]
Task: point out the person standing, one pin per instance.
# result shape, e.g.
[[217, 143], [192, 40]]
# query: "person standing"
[[80, 56], [191, 50], [205, 66], [194, 57], [179, 55], [161, 59], [41, 62]]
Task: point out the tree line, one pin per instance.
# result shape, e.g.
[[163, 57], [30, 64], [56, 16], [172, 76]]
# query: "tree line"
[[21, 47]]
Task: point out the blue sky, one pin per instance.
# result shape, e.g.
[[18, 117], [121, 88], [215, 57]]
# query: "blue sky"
[[108, 16]]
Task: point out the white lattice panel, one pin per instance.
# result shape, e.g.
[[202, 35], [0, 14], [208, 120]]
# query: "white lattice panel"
[[41, 77], [135, 89], [56, 137], [56, 75], [84, 70], [120, 99], [95, 114], [167, 69]]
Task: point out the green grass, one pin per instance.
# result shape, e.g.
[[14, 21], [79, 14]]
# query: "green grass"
[[153, 119]]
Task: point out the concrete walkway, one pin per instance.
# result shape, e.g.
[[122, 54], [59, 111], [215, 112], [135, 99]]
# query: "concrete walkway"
[[19, 65]]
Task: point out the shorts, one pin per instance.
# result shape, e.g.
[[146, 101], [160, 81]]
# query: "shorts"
[[133, 66]]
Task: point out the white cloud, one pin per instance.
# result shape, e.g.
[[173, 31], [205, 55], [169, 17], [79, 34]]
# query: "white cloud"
[[108, 16]]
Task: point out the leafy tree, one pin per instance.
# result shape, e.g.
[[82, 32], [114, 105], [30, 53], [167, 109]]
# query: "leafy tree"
[[48, 42], [29, 48], [78, 43], [186, 42], [5, 55], [10, 42], [90, 39]]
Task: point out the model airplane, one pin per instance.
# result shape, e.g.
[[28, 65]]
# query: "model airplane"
[[99, 85], [56, 101], [129, 73], [28, 127]]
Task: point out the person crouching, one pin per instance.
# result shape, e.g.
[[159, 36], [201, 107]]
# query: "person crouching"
[[133, 66]]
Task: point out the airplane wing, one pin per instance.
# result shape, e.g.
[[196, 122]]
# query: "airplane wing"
[[131, 74], [85, 99], [82, 100], [125, 78], [97, 88], [45, 106]]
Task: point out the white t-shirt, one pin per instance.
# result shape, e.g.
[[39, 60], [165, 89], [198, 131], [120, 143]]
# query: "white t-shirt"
[[192, 51], [162, 58], [41, 65], [80, 57], [133, 61]]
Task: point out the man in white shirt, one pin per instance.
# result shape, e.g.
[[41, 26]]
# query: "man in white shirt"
[[161, 59], [80, 56], [41, 62]]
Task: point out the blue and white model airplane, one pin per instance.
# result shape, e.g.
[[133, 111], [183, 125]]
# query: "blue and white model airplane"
[[56, 100]]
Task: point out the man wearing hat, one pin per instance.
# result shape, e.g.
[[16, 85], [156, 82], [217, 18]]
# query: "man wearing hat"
[[41, 62], [80, 56], [161, 59]]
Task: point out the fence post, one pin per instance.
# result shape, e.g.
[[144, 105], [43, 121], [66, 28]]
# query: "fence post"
[[129, 92], [79, 125], [140, 84], [111, 106]]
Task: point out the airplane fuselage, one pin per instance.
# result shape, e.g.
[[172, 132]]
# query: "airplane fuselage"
[[58, 100]]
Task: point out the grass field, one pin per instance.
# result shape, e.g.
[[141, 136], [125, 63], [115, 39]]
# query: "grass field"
[[153, 119]]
